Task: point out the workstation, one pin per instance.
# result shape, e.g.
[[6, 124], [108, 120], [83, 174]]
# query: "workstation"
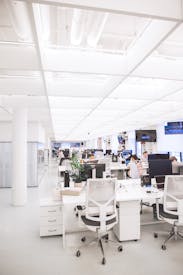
[[91, 137]]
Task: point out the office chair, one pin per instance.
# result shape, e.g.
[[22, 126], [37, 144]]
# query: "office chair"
[[100, 213], [172, 209]]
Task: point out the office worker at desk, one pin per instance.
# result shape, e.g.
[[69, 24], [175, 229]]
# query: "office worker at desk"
[[144, 157], [135, 168], [175, 165]]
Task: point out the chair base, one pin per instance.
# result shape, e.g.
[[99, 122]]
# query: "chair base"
[[99, 241], [174, 233]]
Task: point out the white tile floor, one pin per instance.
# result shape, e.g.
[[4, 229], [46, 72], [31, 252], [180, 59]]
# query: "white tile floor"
[[23, 252]]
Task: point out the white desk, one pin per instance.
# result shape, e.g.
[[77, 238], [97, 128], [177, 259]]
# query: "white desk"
[[128, 198]]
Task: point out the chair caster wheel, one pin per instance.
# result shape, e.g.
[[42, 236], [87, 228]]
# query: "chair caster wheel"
[[78, 253], [83, 239], [106, 238], [163, 247], [120, 248], [155, 235], [77, 215], [103, 261]]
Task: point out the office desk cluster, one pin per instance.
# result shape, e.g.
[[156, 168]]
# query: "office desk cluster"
[[57, 217]]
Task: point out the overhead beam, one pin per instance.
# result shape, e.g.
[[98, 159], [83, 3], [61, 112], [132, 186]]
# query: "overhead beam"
[[152, 37], [160, 9]]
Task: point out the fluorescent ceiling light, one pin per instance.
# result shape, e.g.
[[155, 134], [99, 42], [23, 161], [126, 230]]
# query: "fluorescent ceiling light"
[[19, 18]]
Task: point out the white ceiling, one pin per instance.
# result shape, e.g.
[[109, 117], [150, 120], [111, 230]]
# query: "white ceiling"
[[91, 68]]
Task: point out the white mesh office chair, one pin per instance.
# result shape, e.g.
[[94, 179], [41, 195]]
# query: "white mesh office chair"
[[100, 213], [172, 209]]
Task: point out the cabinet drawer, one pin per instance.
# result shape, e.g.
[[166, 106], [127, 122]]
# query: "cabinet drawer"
[[50, 220], [50, 211], [129, 208], [51, 230]]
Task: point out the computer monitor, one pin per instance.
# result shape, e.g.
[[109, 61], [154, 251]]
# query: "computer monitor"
[[114, 158], [158, 156], [160, 167], [100, 168], [108, 152], [160, 180], [88, 171], [145, 180]]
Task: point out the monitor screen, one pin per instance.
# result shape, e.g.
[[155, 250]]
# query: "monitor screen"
[[173, 128], [158, 156], [160, 167], [87, 172], [145, 180], [146, 135], [100, 168], [160, 180]]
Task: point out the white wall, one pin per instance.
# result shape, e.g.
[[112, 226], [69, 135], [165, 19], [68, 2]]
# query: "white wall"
[[5, 131], [91, 144], [168, 143], [36, 132], [130, 143]]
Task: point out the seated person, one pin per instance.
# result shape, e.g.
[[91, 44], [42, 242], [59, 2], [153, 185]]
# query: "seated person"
[[135, 168], [175, 165], [144, 157]]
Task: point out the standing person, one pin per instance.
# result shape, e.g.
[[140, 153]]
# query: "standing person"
[[135, 168], [144, 157]]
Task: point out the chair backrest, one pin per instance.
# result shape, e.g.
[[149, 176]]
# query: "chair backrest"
[[101, 202], [173, 195]]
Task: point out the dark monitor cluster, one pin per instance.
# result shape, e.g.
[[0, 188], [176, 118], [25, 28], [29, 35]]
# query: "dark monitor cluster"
[[160, 180], [160, 167], [88, 170], [108, 152], [158, 156]]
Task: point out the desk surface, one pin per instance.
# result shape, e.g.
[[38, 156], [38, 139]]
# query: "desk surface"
[[127, 190]]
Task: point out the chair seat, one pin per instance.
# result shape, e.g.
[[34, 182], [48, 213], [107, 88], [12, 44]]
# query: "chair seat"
[[165, 214], [96, 223]]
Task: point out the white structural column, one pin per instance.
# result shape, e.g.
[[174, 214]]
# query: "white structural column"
[[19, 190]]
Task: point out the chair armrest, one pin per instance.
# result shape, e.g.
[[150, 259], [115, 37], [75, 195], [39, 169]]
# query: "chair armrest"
[[157, 209], [180, 210], [80, 207]]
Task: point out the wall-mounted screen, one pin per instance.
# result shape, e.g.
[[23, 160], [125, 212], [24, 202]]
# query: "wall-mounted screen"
[[173, 128], [146, 135]]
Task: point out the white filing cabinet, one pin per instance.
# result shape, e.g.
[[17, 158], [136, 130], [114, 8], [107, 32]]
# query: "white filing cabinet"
[[51, 218], [128, 227]]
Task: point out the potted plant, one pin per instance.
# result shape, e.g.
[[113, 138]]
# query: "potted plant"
[[80, 172], [77, 169]]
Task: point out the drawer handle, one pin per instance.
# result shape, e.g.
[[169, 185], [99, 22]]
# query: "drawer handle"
[[52, 220], [51, 210], [53, 230]]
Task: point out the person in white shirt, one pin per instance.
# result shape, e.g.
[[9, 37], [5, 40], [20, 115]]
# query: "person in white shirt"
[[135, 168], [144, 157]]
